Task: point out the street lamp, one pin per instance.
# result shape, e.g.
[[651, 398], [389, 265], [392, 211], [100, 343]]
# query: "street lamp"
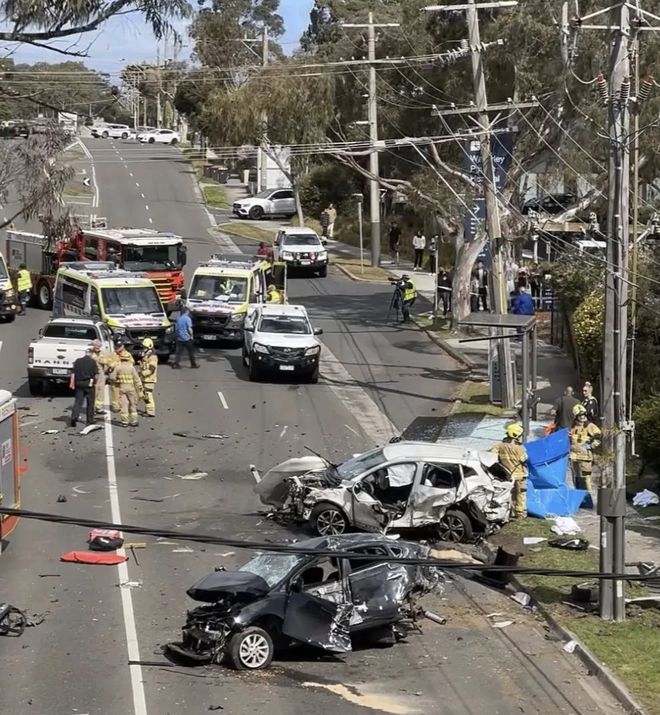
[[360, 199]]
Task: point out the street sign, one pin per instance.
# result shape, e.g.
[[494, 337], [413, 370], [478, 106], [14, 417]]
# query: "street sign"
[[475, 214]]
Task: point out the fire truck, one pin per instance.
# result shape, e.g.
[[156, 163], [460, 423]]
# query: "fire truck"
[[158, 255]]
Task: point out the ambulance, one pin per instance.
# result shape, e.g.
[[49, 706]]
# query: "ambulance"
[[221, 290], [8, 302], [128, 303]]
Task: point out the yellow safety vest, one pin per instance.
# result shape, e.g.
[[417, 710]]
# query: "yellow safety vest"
[[275, 297], [410, 293], [148, 369], [24, 280]]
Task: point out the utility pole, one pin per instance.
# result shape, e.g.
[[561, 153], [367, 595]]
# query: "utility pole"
[[159, 115], [263, 156], [374, 168], [498, 279]]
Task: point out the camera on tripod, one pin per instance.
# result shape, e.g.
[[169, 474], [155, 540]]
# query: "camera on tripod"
[[397, 302]]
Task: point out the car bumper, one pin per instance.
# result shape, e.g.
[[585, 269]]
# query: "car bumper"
[[241, 211], [163, 343], [207, 330], [294, 365], [8, 309], [306, 264], [54, 374]]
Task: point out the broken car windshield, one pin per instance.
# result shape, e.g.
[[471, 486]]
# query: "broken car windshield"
[[223, 289], [360, 464], [272, 567]]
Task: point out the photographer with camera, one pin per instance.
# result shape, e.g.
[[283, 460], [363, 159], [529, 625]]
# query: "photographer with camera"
[[404, 296]]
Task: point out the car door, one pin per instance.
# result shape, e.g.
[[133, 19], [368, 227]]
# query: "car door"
[[376, 588], [441, 485], [374, 494], [282, 202], [250, 325]]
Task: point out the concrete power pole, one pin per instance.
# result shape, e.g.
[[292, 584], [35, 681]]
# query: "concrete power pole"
[[374, 168], [263, 156]]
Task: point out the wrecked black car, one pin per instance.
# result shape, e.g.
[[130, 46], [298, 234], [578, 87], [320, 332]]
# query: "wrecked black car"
[[277, 599]]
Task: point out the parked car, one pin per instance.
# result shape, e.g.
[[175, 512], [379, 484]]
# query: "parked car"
[[135, 133], [113, 131], [550, 204], [451, 492], [280, 340], [61, 342], [273, 202], [280, 599], [159, 136], [302, 249]]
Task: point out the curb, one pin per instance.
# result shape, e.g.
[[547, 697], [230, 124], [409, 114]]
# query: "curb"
[[353, 277], [614, 686], [453, 352]]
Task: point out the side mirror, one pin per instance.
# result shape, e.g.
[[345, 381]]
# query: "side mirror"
[[295, 586], [318, 331], [184, 256], [248, 328]]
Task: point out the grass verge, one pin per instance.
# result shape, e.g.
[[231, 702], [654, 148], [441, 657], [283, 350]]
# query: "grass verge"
[[366, 273], [247, 230], [630, 650], [214, 195], [475, 399]]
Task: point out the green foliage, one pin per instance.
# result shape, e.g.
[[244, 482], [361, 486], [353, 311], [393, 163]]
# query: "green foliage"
[[647, 430], [588, 334], [574, 278], [325, 184]]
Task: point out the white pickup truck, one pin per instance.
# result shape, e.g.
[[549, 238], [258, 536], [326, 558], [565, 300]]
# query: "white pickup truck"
[[61, 342]]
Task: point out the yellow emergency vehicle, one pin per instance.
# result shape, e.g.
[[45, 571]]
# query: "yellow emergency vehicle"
[[128, 303], [223, 287], [8, 299]]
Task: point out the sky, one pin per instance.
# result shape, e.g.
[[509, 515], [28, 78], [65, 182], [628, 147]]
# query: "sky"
[[126, 39]]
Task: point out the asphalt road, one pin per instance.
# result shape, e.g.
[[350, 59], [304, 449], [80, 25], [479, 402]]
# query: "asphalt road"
[[98, 649]]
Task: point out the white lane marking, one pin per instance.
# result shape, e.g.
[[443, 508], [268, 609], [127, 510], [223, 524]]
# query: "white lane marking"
[[150, 220], [222, 400], [283, 432], [146, 206], [130, 173], [355, 432], [138, 185], [142, 196], [88, 154], [135, 669]]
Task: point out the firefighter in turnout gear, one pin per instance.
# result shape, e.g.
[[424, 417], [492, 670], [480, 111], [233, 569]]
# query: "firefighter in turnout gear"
[[584, 436], [513, 457], [105, 361], [125, 377], [113, 361], [148, 371]]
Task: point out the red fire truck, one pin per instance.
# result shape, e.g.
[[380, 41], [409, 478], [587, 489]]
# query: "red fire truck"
[[10, 467], [159, 255]]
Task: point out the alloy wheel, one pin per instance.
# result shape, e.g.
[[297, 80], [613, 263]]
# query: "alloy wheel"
[[330, 523], [254, 651]]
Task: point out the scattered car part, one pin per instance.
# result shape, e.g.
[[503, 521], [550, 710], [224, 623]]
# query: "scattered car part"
[[12, 620], [571, 544]]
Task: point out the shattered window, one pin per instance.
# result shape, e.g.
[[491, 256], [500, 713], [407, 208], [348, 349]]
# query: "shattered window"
[[363, 563], [442, 476], [360, 464], [272, 567]]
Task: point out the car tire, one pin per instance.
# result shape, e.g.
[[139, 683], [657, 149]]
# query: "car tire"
[[328, 520], [455, 527], [10, 318], [44, 296], [254, 373], [251, 649], [124, 135], [174, 142], [35, 386], [313, 376], [151, 140], [323, 272], [105, 135], [256, 213]]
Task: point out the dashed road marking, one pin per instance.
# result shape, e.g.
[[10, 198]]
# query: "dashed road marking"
[[150, 220], [222, 400], [138, 185], [146, 206]]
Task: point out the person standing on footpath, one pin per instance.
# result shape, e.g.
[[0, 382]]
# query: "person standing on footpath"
[[590, 403], [584, 436], [433, 250], [419, 244], [445, 279], [394, 236], [332, 217], [184, 339], [563, 409], [83, 381], [324, 220]]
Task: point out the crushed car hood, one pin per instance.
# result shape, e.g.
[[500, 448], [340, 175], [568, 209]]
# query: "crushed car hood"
[[228, 584], [272, 490]]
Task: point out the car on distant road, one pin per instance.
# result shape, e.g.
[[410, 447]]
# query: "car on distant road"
[[552, 204], [60, 344], [112, 131], [159, 136], [269, 203], [280, 340], [451, 493], [301, 249], [135, 133]]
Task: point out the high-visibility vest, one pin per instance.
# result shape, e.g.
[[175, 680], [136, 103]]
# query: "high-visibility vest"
[[24, 280], [410, 293], [275, 297]]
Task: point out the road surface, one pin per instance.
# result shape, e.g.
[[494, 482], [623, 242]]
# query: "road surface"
[[98, 649]]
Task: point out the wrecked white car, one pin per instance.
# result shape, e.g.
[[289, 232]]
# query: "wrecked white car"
[[331, 591], [453, 492]]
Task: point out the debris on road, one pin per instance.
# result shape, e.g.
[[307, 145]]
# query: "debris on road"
[[435, 617], [12, 621], [570, 646], [502, 624], [93, 558], [151, 499], [193, 475], [105, 540], [130, 584], [645, 498], [188, 435], [524, 599], [183, 550], [570, 544], [318, 611], [90, 428], [50, 431], [565, 525], [214, 436], [61, 499], [78, 490], [533, 540]]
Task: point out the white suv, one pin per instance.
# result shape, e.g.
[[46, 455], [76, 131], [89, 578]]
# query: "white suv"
[[273, 202], [159, 136], [279, 339], [302, 249], [114, 131]]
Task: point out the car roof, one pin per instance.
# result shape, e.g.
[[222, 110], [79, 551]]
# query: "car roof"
[[72, 321], [346, 542], [284, 310], [147, 236], [298, 231], [433, 451]]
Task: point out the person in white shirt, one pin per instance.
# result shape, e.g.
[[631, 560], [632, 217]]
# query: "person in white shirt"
[[419, 244]]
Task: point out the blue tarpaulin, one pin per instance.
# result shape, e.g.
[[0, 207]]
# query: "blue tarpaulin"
[[548, 494]]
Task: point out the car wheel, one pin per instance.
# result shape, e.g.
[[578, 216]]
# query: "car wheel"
[[36, 387], [254, 373], [105, 135], [455, 526], [151, 140], [10, 318], [256, 213], [124, 135], [328, 520], [244, 356], [251, 649], [323, 272], [313, 376], [44, 296], [174, 142]]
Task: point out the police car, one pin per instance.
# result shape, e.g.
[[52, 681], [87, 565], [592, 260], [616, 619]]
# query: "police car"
[[301, 248], [280, 340]]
